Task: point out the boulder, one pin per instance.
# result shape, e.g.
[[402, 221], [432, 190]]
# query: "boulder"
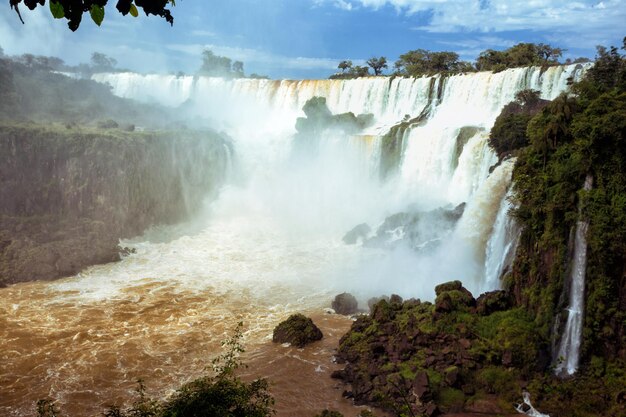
[[448, 286], [492, 301], [452, 296], [451, 376], [374, 300], [360, 231], [298, 330], [345, 304], [421, 387]]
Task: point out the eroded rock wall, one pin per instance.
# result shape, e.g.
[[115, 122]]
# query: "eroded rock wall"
[[68, 195]]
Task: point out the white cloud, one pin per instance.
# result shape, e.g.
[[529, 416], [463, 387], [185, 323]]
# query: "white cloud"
[[203, 33], [39, 34], [451, 16]]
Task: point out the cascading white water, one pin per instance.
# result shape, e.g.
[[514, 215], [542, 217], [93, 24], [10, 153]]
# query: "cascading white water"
[[501, 245], [321, 196], [569, 349], [271, 244], [527, 407]]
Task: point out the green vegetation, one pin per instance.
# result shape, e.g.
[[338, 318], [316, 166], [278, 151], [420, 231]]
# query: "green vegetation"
[[378, 64], [457, 353], [348, 71], [423, 62], [520, 55], [571, 138], [73, 10], [220, 66], [447, 353], [420, 62], [509, 131], [31, 91]]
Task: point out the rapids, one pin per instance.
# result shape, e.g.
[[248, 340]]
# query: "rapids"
[[271, 243]]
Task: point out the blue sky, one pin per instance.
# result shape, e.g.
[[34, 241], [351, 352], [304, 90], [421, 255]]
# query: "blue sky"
[[307, 38]]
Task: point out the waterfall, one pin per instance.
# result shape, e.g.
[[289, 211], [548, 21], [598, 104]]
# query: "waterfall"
[[526, 407], [501, 245], [444, 159], [568, 354]]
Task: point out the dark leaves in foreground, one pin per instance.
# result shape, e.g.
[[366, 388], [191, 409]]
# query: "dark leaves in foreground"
[[73, 10]]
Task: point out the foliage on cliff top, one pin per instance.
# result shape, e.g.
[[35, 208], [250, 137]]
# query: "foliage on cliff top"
[[509, 130]]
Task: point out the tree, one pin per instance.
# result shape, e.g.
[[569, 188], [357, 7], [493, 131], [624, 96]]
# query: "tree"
[[73, 10], [345, 65], [238, 68], [422, 62], [377, 64], [102, 63], [490, 60], [215, 65], [549, 54], [359, 71], [520, 55], [527, 97]]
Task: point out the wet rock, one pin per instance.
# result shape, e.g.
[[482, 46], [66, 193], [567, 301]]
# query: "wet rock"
[[345, 304], [67, 197], [298, 330], [338, 374], [358, 232], [374, 300], [431, 410], [395, 299], [451, 376], [452, 296], [448, 286], [419, 230], [319, 118], [444, 304], [421, 387], [491, 302]]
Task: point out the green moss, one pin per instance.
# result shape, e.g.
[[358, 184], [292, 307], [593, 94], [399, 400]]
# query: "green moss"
[[499, 381], [450, 398]]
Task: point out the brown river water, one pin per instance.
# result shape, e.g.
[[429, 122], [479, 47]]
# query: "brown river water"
[[89, 355], [162, 313]]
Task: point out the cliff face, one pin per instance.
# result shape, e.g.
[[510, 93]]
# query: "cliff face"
[[67, 196]]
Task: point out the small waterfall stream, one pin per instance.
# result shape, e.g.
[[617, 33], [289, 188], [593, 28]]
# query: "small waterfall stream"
[[568, 354]]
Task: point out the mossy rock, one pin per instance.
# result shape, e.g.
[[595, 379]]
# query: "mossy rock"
[[454, 301], [298, 330], [448, 286], [493, 301], [345, 304]]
